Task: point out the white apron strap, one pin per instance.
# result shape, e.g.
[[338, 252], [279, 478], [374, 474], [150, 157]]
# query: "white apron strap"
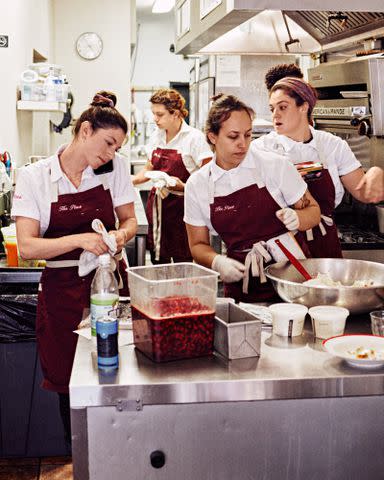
[[156, 215], [62, 263], [255, 261]]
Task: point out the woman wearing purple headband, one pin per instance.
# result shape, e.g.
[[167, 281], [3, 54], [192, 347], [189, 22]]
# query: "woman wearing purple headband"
[[328, 165]]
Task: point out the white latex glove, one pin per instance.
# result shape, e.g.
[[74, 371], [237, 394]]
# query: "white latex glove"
[[160, 179], [289, 217], [230, 270]]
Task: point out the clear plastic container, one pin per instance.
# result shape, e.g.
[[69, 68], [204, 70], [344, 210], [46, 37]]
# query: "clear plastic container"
[[173, 310]]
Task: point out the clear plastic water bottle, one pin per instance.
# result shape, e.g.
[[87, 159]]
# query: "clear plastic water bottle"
[[104, 292]]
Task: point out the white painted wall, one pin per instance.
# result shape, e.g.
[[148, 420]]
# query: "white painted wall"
[[155, 65], [111, 70], [29, 26]]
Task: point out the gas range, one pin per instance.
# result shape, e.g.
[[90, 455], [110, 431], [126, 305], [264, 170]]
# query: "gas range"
[[352, 238]]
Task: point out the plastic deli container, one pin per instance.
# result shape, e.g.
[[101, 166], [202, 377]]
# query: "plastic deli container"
[[173, 310]]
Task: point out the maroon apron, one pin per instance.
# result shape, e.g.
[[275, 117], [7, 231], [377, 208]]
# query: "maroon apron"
[[173, 238], [64, 295], [323, 191], [241, 219]]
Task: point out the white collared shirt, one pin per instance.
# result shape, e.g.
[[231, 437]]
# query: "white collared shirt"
[[32, 197], [189, 142], [324, 147], [264, 168]]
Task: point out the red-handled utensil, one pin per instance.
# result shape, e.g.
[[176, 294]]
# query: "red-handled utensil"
[[295, 262]]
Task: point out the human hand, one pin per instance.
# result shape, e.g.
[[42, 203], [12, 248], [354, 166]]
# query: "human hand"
[[178, 187], [93, 242], [121, 238], [230, 269], [289, 217], [372, 185]]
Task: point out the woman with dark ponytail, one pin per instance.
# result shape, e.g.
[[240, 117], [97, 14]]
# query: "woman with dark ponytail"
[[55, 202]]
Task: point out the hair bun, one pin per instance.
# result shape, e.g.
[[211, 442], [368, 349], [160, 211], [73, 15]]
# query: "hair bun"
[[216, 97], [104, 99]]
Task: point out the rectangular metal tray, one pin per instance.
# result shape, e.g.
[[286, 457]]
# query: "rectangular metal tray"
[[237, 332]]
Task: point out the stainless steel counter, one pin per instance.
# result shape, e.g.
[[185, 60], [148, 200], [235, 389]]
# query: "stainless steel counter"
[[295, 413], [286, 370]]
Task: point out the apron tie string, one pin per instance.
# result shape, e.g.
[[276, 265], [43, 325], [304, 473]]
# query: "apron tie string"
[[327, 220], [160, 193], [255, 261]]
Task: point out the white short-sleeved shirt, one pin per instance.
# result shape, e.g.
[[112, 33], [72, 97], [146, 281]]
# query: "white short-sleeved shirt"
[[264, 168], [189, 142], [324, 147], [32, 196]]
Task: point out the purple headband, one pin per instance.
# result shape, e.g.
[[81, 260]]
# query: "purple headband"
[[101, 98], [300, 87]]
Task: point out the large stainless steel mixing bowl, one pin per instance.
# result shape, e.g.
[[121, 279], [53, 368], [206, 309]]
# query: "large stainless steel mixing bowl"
[[287, 282]]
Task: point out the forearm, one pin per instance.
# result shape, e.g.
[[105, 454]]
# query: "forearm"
[[309, 217], [46, 248], [128, 228], [308, 212], [203, 254], [198, 239], [140, 177]]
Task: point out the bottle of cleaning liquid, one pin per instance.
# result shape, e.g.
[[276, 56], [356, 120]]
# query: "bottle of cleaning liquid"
[[104, 292]]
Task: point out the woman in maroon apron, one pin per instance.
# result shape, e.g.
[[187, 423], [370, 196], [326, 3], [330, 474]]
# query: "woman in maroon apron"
[[246, 217], [178, 150], [63, 295], [292, 101]]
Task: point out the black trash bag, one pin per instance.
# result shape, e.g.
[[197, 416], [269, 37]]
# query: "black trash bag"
[[17, 318]]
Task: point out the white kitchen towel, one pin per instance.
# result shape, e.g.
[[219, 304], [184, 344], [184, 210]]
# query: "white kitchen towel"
[[88, 261]]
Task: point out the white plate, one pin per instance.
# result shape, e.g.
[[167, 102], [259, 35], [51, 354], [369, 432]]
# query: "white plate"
[[354, 94], [343, 345]]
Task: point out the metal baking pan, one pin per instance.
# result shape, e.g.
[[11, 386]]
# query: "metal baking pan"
[[237, 332]]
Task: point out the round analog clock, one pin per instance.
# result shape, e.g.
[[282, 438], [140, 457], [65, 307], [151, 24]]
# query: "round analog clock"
[[89, 45]]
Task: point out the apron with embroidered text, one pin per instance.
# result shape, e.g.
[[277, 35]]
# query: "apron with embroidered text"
[[64, 295], [241, 219], [173, 234]]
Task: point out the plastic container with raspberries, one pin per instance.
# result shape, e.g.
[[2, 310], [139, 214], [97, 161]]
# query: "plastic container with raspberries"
[[173, 310]]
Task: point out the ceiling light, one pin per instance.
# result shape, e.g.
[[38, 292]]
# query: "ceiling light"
[[163, 6]]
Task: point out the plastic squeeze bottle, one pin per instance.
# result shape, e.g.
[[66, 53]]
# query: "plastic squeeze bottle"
[[104, 291]]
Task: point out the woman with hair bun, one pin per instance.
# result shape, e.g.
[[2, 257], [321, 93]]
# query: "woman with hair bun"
[[55, 202], [178, 150], [250, 199], [328, 164]]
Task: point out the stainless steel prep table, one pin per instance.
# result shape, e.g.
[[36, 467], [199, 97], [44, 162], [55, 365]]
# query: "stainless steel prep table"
[[296, 413]]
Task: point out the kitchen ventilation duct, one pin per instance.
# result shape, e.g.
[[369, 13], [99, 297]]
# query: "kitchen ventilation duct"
[[258, 26]]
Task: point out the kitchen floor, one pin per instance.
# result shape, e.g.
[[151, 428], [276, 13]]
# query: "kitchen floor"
[[44, 468]]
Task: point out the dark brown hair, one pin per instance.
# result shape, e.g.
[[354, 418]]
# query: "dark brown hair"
[[102, 114], [280, 71], [223, 106], [171, 99]]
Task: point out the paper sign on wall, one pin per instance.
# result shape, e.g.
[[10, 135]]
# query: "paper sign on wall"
[[228, 69]]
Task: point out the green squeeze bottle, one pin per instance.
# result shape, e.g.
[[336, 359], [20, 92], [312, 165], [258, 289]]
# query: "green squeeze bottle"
[[104, 292]]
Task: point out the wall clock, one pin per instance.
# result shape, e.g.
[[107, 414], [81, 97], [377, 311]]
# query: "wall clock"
[[89, 45]]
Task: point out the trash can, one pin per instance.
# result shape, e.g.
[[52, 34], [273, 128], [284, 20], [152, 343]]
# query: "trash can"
[[30, 423]]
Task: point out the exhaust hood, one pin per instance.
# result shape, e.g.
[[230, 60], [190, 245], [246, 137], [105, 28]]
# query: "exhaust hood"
[[279, 26]]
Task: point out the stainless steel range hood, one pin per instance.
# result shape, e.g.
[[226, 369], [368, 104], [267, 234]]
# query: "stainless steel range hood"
[[261, 26]]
